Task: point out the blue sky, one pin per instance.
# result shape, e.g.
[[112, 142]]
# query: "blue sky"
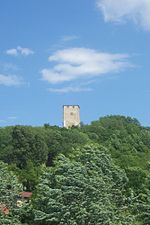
[[94, 53]]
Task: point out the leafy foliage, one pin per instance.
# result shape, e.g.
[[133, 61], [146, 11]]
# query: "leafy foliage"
[[85, 189], [9, 191]]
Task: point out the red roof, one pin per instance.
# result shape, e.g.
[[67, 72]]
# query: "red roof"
[[26, 194], [4, 209]]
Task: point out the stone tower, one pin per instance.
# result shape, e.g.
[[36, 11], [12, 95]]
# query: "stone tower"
[[71, 115]]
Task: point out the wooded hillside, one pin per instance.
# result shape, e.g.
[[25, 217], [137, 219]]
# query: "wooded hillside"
[[98, 174]]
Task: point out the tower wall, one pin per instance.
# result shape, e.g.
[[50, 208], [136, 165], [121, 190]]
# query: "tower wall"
[[71, 115]]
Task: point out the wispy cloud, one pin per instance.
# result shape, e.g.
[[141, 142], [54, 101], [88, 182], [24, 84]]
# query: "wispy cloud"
[[77, 63], [8, 119], [69, 89], [12, 117], [8, 67], [138, 11], [67, 38], [2, 121], [64, 41], [19, 51], [10, 80]]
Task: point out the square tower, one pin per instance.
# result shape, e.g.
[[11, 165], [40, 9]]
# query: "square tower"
[[71, 115]]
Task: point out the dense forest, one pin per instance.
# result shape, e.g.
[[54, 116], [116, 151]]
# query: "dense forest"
[[98, 174]]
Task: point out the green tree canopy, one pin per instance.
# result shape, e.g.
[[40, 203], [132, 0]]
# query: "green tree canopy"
[[86, 188]]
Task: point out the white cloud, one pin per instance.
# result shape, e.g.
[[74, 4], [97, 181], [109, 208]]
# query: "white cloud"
[[10, 80], [19, 51], [12, 51], [69, 89], [137, 11], [25, 51], [77, 63]]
